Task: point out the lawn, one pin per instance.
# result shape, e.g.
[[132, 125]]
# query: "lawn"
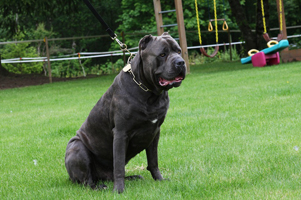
[[232, 132]]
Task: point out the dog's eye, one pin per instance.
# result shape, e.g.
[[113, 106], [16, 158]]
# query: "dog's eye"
[[162, 54], [179, 52]]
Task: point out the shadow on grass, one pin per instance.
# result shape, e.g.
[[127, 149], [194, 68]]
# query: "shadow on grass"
[[217, 67]]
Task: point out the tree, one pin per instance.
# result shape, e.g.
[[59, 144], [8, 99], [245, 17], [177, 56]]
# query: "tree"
[[55, 18], [16, 12], [243, 12], [238, 11]]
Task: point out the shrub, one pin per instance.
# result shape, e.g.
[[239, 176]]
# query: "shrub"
[[21, 50], [70, 68]]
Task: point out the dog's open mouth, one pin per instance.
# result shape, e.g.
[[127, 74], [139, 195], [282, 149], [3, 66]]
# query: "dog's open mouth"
[[164, 82]]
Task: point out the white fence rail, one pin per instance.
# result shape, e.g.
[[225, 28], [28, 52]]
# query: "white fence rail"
[[97, 54]]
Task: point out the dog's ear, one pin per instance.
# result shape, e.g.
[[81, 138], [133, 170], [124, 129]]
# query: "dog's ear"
[[144, 41]]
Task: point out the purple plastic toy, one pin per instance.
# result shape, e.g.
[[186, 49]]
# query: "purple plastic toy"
[[260, 59]]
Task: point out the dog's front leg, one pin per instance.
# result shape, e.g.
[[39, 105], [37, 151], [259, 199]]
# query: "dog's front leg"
[[152, 158], [119, 153]]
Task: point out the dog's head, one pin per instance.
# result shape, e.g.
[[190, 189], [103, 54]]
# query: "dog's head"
[[161, 60]]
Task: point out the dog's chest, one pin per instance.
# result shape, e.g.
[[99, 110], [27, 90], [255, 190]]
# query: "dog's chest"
[[150, 119], [143, 135], [156, 115], [154, 120], [147, 125], [156, 109]]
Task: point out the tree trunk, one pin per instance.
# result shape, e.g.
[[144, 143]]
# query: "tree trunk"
[[238, 12], [252, 40], [3, 71]]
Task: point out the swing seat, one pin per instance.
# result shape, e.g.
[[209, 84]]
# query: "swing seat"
[[278, 47], [267, 37], [212, 55]]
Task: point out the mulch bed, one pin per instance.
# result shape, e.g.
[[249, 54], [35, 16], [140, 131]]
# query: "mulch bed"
[[23, 80]]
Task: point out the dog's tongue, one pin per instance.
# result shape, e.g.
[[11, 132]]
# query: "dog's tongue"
[[164, 82]]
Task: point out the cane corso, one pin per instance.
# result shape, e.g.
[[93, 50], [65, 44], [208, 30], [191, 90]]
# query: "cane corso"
[[127, 118]]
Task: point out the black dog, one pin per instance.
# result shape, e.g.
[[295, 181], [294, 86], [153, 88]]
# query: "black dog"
[[127, 118]]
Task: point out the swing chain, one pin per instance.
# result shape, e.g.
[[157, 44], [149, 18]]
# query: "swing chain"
[[199, 32]]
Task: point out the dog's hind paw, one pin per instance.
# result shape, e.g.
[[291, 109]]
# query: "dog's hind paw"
[[101, 187]]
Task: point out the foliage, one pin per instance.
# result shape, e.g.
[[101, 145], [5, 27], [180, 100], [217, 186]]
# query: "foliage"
[[135, 17], [141, 17], [21, 50], [118, 65], [295, 44], [40, 33], [226, 55], [19, 13], [71, 68], [108, 67], [61, 19]]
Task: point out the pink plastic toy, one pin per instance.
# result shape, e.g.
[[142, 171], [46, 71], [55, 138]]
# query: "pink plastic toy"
[[260, 59]]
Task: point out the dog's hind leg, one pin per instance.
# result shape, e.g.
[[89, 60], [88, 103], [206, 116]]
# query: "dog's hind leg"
[[78, 163]]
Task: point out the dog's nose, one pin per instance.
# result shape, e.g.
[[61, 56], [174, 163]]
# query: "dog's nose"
[[180, 63]]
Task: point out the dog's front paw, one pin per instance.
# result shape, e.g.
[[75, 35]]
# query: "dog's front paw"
[[118, 186]]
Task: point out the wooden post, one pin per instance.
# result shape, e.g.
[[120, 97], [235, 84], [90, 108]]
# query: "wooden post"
[[48, 59], [182, 33], [159, 20], [287, 55], [230, 46], [284, 33]]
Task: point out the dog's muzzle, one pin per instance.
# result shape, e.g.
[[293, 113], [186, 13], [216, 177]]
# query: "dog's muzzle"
[[180, 71]]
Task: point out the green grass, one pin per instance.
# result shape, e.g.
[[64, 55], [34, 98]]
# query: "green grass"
[[231, 133]]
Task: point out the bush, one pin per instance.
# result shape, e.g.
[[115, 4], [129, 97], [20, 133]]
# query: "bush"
[[107, 68], [70, 68], [20, 50]]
